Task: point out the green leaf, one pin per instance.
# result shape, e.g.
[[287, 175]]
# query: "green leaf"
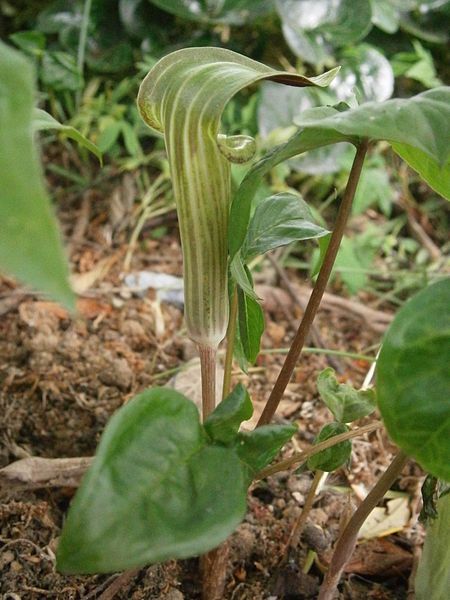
[[31, 42], [60, 72], [233, 12], [30, 246], [42, 121], [181, 98], [413, 379], [224, 422], [156, 490], [346, 403], [251, 324], [385, 15], [366, 73], [311, 27], [433, 574], [259, 447], [331, 458], [437, 177], [279, 220], [422, 122]]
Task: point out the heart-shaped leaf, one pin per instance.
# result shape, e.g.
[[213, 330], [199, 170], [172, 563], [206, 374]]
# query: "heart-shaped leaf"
[[346, 403], [413, 379], [157, 489], [30, 247]]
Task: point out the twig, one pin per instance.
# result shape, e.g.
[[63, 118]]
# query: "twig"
[[120, 582], [347, 541], [35, 472], [374, 319], [319, 288], [301, 457], [408, 202], [314, 332]]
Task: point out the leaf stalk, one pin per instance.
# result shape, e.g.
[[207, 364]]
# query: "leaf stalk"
[[319, 288]]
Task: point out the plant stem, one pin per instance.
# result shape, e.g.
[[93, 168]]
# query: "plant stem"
[[231, 335], [319, 288], [301, 457], [347, 541], [208, 370], [296, 532]]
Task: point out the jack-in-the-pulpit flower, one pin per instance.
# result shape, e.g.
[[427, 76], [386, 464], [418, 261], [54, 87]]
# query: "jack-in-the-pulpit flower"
[[183, 97]]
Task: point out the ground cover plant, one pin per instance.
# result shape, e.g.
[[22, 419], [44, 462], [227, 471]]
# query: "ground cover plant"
[[167, 483]]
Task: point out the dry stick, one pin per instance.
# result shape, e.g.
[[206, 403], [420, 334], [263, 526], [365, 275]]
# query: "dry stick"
[[317, 293], [315, 334], [347, 541], [301, 457], [231, 334]]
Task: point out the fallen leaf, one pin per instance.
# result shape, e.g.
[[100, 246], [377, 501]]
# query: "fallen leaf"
[[385, 521]]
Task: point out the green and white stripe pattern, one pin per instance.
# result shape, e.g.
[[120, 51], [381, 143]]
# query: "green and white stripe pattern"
[[183, 96]]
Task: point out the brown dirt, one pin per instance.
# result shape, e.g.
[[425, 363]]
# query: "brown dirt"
[[62, 378]]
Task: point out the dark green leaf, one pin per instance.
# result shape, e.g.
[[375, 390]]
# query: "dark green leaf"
[[429, 499], [346, 403], [156, 490], [277, 221], [251, 324], [42, 121], [224, 422], [259, 447], [30, 247], [332, 458], [32, 42], [422, 122], [433, 574], [413, 379]]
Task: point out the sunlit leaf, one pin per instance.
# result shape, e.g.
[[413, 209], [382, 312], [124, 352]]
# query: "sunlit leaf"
[[42, 121], [311, 24], [30, 247]]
